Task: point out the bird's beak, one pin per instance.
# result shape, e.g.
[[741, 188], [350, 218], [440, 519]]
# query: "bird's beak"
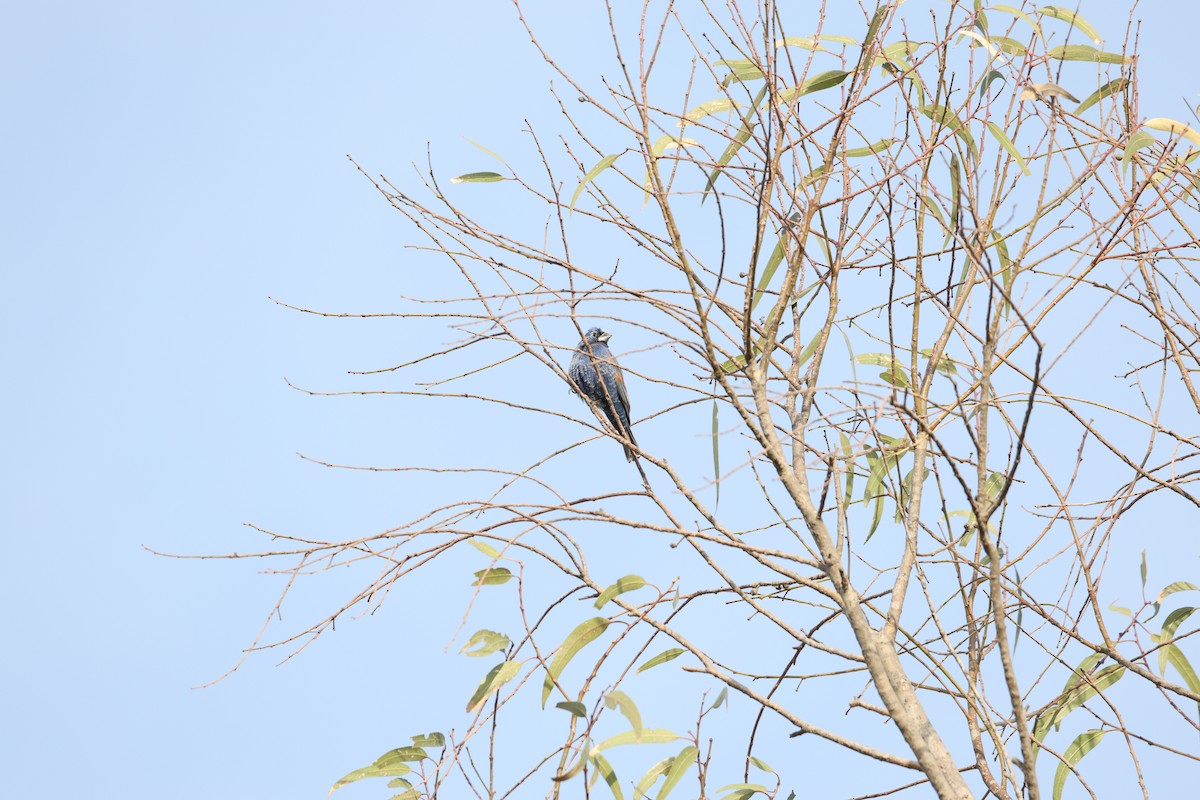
[[604, 337]]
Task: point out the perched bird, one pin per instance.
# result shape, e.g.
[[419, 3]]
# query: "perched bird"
[[599, 382]]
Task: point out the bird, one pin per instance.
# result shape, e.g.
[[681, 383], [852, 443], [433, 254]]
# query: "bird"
[[598, 381]]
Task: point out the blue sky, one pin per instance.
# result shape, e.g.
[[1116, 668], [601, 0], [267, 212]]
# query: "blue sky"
[[167, 168]]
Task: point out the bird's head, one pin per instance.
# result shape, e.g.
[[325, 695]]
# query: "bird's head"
[[597, 336]]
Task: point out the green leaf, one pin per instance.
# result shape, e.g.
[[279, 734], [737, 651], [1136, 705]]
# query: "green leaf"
[[948, 119], [1081, 690], [1018, 13], [647, 780], [988, 80], [398, 783], [980, 41], [805, 42], [624, 703], [434, 739], [489, 152], [1173, 621], [745, 787], [411, 794], [721, 698], [716, 450], [848, 451], [625, 584], [896, 376], [478, 177], [999, 135], [610, 777], [647, 736], [739, 140], [1143, 569], [661, 146], [707, 109], [944, 365], [1167, 634], [1007, 45], [1174, 128], [662, 658], [955, 199], [492, 576], [759, 763], [857, 152], [1120, 609], [1177, 586], [400, 755], [819, 82], [1107, 90], [1080, 747], [486, 642], [740, 71], [875, 359], [395, 769], [585, 632], [1085, 52], [1071, 17], [485, 548], [1177, 660], [573, 706], [679, 767], [497, 676], [1046, 91], [601, 165], [1137, 141], [876, 23]]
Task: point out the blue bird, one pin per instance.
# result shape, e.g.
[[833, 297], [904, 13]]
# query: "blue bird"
[[599, 382]]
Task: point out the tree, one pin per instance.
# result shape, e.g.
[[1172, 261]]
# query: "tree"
[[896, 262]]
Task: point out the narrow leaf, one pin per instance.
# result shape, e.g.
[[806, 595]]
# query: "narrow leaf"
[[625, 584], [610, 777], [999, 135], [574, 707], [585, 632], [1071, 17], [1174, 128], [1018, 13], [624, 703], [1008, 45], [489, 152], [662, 658], [1085, 52], [1107, 90], [485, 548], [499, 675], [1080, 747], [679, 767], [707, 109], [601, 165], [1137, 141], [492, 576], [652, 774], [716, 450], [485, 643], [1177, 586], [948, 119], [1046, 91], [648, 736], [824, 80], [1177, 660], [478, 177], [434, 739], [740, 70], [739, 140]]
